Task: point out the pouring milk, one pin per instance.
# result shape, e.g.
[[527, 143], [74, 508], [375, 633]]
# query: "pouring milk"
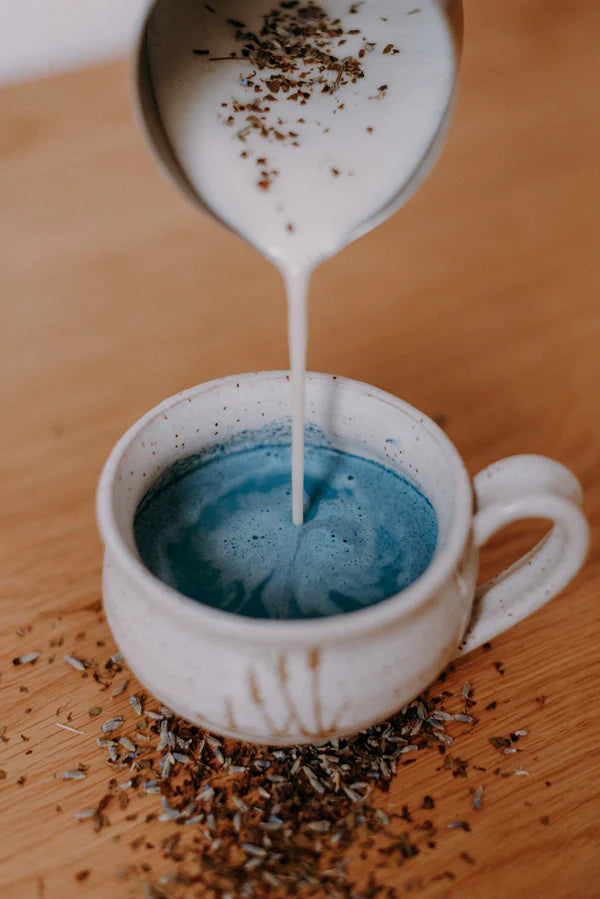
[[301, 126]]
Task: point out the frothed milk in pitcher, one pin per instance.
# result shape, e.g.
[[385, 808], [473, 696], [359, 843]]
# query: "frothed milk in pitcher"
[[300, 126]]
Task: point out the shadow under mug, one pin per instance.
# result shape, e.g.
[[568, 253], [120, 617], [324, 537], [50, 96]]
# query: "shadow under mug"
[[283, 682]]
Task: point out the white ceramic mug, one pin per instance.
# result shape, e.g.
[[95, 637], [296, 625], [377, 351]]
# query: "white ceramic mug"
[[304, 681]]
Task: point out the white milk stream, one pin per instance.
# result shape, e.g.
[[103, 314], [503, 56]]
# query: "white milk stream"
[[319, 173]]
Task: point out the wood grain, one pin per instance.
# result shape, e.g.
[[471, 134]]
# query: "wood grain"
[[478, 301]]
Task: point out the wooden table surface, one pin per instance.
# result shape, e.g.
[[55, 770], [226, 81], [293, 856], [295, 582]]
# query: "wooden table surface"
[[478, 302]]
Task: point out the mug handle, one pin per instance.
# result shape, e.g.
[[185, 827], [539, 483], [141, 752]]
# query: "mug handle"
[[525, 487]]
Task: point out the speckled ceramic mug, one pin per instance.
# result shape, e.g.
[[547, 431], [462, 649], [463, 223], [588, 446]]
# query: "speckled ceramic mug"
[[303, 681]]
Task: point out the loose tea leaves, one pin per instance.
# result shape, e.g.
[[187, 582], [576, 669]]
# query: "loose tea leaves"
[[296, 53], [240, 819], [249, 816]]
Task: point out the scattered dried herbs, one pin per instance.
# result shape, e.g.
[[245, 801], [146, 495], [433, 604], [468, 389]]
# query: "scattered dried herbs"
[[254, 817], [241, 819], [293, 55], [75, 663]]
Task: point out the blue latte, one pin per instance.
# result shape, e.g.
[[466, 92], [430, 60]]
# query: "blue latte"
[[220, 530]]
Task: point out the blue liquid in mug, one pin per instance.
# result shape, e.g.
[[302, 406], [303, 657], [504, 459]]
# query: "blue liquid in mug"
[[219, 530]]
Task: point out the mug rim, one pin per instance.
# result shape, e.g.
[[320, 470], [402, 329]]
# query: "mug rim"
[[309, 630]]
